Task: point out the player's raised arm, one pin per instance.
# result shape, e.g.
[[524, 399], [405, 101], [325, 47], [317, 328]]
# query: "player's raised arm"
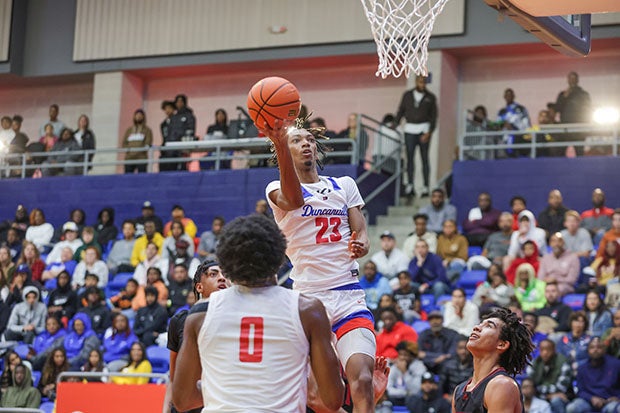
[[289, 196], [185, 393], [323, 359]]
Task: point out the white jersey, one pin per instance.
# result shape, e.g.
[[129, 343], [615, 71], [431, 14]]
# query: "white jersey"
[[253, 351], [318, 233]]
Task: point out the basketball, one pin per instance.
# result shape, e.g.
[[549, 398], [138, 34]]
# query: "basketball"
[[273, 98]]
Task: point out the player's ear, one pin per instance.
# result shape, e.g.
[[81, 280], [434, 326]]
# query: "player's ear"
[[503, 345]]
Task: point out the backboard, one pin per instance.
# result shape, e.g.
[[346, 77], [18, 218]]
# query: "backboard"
[[567, 33]]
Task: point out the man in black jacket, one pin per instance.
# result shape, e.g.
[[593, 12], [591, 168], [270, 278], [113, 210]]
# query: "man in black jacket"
[[152, 320], [182, 127], [419, 108]]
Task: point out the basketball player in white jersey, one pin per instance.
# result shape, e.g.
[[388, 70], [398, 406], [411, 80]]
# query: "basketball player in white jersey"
[[254, 340], [322, 220]]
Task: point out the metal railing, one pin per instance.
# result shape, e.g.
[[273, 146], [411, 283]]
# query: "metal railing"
[[216, 151], [386, 156], [495, 144]]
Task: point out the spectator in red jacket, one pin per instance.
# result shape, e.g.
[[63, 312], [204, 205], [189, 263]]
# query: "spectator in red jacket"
[[393, 332]]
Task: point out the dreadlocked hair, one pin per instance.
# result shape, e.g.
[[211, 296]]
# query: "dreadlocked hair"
[[519, 353], [321, 148]]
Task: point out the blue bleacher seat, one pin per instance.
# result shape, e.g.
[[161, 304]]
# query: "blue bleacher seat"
[[420, 326], [159, 358], [47, 407], [443, 299], [471, 251], [36, 376], [469, 280], [117, 283], [121, 279], [574, 301], [51, 284], [22, 350], [400, 409], [427, 302]]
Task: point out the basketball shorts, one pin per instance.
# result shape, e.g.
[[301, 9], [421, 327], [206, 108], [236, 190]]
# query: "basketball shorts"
[[351, 320]]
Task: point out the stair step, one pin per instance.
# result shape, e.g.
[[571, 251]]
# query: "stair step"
[[405, 211], [393, 222]]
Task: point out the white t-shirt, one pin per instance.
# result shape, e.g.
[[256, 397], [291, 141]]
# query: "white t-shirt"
[[318, 233], [253, 351]]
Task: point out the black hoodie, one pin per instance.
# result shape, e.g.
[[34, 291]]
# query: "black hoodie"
[[66, 298], [106, 232]]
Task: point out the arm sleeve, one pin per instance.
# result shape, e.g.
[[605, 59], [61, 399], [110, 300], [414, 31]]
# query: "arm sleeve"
[[14, 320], [463, 248], [401, 109], [393, 390], [138, 326], [135, 254], [433, 115], [451, 212], [174, 333], [513, 249], [148, 137], [440, 271], [564, 380], [354, 198], [34, 399]]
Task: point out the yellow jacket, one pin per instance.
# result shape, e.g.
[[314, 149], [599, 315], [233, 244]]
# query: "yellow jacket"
[[144, 367], [139, 248]]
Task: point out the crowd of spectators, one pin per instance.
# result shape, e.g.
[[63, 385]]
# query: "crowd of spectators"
[[62, 144], [572, 105], [558, 269], [90, 297]]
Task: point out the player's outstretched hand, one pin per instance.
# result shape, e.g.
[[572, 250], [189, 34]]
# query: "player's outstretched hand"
[[380, 377], [357, 248], [278, 135]]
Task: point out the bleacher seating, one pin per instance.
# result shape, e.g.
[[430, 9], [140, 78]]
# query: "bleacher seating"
[[47, 407], [469, 280], [22, 350], [427, 302], [159, 358], [420, 326], [117, 284], [442, 300], [36, 377], [474, 250]]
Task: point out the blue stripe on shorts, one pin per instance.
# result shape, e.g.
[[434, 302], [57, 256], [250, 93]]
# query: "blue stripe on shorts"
[[359, 314]]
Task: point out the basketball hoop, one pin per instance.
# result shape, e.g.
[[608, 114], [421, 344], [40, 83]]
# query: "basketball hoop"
[[402, 29]]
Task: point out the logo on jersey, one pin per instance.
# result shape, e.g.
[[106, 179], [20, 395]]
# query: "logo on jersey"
[[309, 211]]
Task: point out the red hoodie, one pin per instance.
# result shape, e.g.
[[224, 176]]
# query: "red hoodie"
[[387, 340], [511, 272]]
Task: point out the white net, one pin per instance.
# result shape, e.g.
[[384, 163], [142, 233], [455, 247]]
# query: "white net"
[[402, 29]]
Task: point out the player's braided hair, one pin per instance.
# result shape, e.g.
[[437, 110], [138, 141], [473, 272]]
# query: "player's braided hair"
[[519, 353], [251, 250], [321, 148]]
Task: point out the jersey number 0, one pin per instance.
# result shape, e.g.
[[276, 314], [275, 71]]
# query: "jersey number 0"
[[251, 340], [328, 224]]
